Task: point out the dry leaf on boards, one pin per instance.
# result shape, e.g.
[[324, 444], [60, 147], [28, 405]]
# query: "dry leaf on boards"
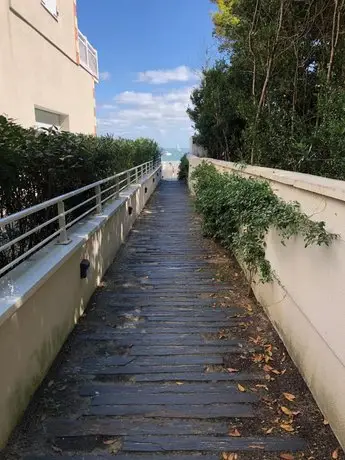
[[289, 396], [335, 453], [287, 427], [235, 433]]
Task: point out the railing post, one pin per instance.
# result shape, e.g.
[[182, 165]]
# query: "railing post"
[[117, 187], [98, 199], [128, 178], [62, 223], [137, 174]]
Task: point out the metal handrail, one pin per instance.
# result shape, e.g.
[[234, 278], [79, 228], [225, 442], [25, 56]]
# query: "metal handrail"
[[122, 181]]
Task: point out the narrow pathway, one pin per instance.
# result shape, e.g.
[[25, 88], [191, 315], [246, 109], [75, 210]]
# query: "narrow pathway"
[[142, 376]]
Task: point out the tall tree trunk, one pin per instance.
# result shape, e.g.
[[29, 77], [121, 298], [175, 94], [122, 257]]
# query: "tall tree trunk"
[[251, 32], [270, 62], [295, 90], [335, 36]]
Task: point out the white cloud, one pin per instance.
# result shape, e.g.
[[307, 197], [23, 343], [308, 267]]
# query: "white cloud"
[[105, 76], [160, 115], [159, 77], [107, 106], [134, 98]]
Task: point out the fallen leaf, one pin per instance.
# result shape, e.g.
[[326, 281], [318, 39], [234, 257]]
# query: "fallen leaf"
[[228, 456], [275, 372], [289, 396], [326, 422], [287, 427], [57, 449], [267, 368], [179, 383], [108, 442], [287, 456], [269, 430], [257, 358], [262, 386], [241, 388], [286, 410], [235, 433], [335, 453], [51, 383], [257, 340], [230, 369], [115, 447]]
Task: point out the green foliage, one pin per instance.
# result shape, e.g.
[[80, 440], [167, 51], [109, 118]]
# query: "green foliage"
[[37, 166], [277, 96], [183, 168], [239, 211]]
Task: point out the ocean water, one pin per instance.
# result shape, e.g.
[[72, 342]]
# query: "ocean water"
[[173, 154]]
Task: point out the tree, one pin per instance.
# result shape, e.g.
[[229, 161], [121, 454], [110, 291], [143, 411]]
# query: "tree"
[[282, 75]]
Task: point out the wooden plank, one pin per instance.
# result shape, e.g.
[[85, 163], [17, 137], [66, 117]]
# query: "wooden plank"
[[131, 456], [198, 377], [158, 388], [123, 426], [144, 340], [175, 411], [213, 444], [130, 370], [208, 350], [172, 398], [176, 360]]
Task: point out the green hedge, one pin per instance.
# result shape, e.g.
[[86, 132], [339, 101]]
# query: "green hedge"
[[37, 166]]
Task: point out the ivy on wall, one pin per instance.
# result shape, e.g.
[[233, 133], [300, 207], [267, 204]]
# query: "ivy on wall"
[[239, 211]]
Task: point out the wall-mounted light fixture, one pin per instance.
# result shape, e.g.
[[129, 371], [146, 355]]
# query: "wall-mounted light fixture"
[[84, 268]]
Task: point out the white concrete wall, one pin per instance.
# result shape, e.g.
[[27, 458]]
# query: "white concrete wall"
[[196, 149], [42, 299], [38, 65], [308, 308]]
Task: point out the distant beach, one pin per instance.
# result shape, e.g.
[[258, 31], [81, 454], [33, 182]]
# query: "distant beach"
[[173, 154]]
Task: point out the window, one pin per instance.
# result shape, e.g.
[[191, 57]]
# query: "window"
[[46, 119], [51, 6]]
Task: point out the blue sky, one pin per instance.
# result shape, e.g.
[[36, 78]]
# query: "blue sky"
[[150, 53]]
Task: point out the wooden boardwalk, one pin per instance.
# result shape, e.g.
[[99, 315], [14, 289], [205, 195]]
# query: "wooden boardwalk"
[[142, 376]]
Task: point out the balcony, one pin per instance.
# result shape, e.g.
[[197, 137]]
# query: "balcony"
[[88, 55]]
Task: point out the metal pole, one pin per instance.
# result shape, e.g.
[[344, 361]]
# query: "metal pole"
[[117, 187], [98, 199], [62, 223], [128, 178]]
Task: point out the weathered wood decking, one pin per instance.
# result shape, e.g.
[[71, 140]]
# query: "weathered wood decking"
[[142, 376]]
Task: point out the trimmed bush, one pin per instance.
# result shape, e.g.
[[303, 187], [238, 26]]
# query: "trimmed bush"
[[183, 168], [39, 165]]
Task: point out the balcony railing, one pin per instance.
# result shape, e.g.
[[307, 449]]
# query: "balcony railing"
[[88, 55]]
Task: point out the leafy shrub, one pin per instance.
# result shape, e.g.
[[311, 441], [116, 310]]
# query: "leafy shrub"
[[183, 168], [239, 212], [37, 166]]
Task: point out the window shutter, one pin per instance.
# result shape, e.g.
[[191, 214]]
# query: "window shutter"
[[51, 6]]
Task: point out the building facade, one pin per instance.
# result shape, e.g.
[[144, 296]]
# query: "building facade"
[[48, 69]]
